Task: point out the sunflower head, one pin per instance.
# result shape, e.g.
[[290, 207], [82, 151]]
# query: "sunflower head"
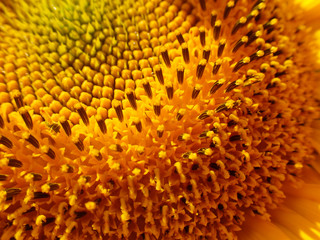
[[150, 119]]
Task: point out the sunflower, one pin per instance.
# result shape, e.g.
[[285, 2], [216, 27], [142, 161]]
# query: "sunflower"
[[159, 119]]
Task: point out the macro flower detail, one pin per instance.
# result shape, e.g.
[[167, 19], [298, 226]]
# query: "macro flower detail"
[[151, 119]]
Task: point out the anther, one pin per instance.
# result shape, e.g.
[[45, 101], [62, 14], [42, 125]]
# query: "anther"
[[159, 74], [240, 23], [217, 29], [83, 114], [1, 122], [180, 73], [228, 8], [202, 32], [180, 114], [147, 88], [116, 148], [184, 137], [160, 130], [243, 40], [131, 97], [98, 155], [157, 108], [234, 138], [80, 214], [3, 177], [51, 153], [53, 186], [241, 63], [11, 192], [165, 57], [200, 69], [26, 117], [137, 123], [36, 177], [217, 85], [257, 55], [78, 142], [231, 86], [213, 18], [252, 36], [185, 53], [221, 108], [169, 89], [6, 142], [14, 163], [205, 114], [196, 91], [31, 139], [216, 66], [179, 37], [117, 107], [222, 44], [206, 53], [101, 124], [66, 126], [18, 99], [203, 5], [40, 195]]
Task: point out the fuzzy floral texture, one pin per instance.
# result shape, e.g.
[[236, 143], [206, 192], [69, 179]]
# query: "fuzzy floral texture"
[[151, 119]]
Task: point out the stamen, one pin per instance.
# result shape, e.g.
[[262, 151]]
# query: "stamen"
[[241, 63], [80, 214], [180, 114], [102, 124], [203, 5], [217, 29], [159, 74], [252, 36], [257, 55], [160, 131], [217, 85], [137, 123], [216, 66], [26, 117], [66, 126], [40, 195], [6, 142], [222, 44], [157, 107], [14, 163], [78, 142], [117, 107], [3, 177], [83, 114], [180, 73], [18, 99], [202, 32], [169, 89], [228, 8], [239, 24], [131, 98], [206, 53], [179, 37], [205, 114], [116, 148], [232, 86], [234, 138], [270, 24], [213, 19], [222, 107], [200, 69], [11, 192], [147, 88], [1, 122], [51, 153], [31, 139], [185, 53], [184, 137], [36, 177], [243, 40], [196, 91], [165, 57]]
